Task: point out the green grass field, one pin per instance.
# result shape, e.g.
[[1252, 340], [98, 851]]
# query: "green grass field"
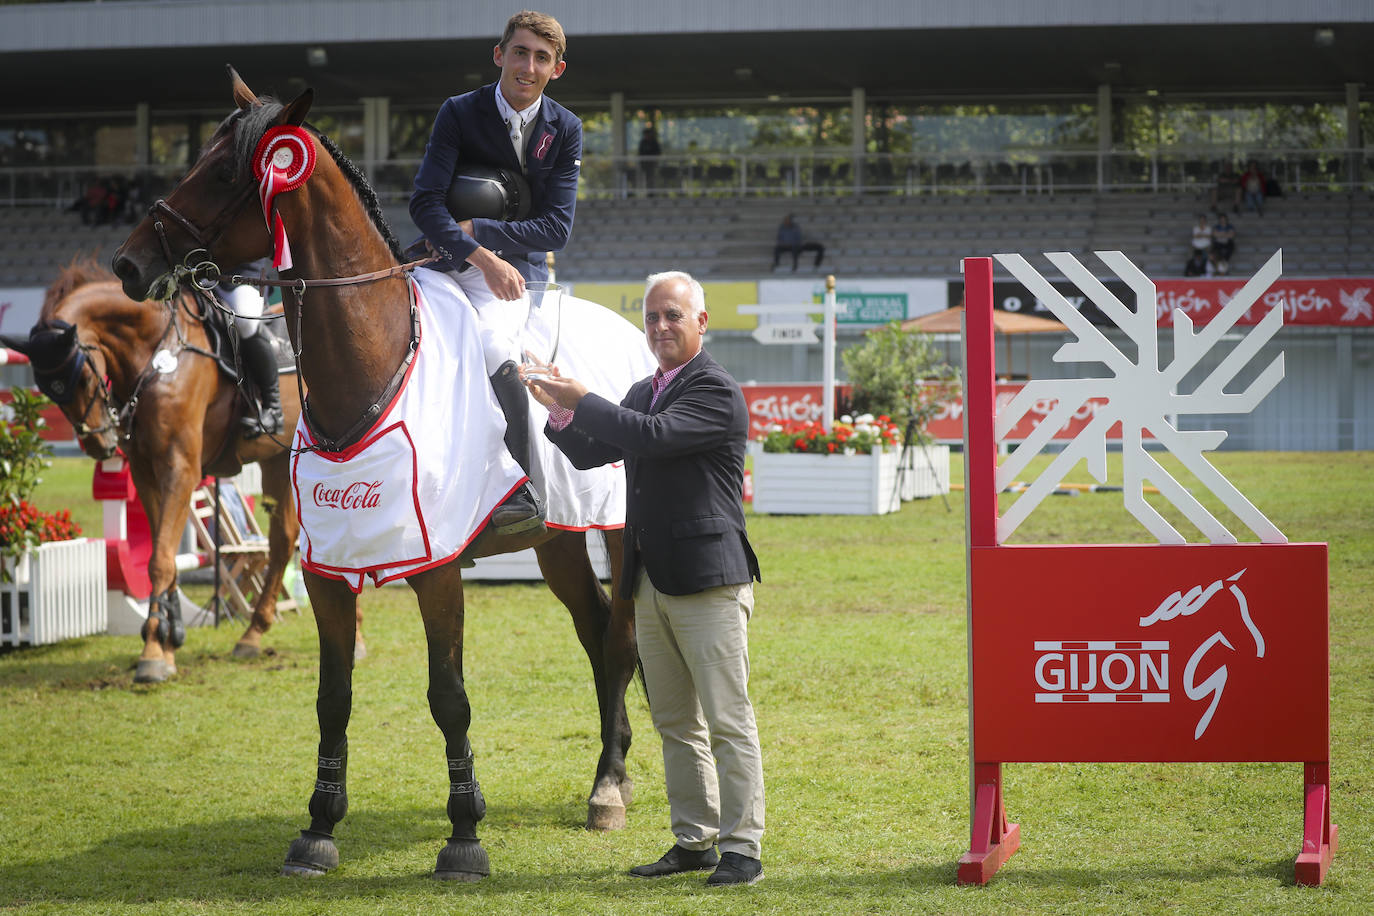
[[182, 798]]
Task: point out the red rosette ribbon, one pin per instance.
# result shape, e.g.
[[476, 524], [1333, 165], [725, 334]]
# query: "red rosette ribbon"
[[283, 161]]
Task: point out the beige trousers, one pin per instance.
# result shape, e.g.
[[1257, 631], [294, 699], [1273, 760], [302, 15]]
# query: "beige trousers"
[[695, 650]]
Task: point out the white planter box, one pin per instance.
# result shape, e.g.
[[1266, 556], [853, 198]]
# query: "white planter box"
[[58, 593], [791, 484], [924, 471]]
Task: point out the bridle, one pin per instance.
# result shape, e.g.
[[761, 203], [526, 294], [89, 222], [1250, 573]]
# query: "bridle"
[[199, 268]]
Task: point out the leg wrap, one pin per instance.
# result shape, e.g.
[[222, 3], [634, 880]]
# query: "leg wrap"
[[329, 802], [466, 806], [164, 613]]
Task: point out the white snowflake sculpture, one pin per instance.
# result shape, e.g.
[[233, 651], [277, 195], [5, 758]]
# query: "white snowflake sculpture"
[[1141, 395]]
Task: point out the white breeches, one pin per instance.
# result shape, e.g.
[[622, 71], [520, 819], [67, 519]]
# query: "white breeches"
[[247, 304], [499, 322]]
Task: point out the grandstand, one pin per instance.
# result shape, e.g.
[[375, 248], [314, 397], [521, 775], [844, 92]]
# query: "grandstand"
[[1079, 126]]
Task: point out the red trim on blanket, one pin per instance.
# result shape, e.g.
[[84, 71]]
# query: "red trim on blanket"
[[619, 527], [372, 431], [307, 557], [406, 573]]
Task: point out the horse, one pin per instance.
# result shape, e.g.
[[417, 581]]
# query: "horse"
[[350, 320], [142, 381]]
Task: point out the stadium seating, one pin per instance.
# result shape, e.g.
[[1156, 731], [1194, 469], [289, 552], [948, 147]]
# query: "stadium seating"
[[880, 236]]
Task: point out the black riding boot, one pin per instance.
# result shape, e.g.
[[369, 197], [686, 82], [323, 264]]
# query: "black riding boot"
[[260, 365], [522, 510]]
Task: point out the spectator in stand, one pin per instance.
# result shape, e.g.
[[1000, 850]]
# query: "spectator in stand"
[[1226, 189], [789, 240], [92, 203], [1199, 265], [649, 151], [1252, 188], [1202, 233], [1223, 239]]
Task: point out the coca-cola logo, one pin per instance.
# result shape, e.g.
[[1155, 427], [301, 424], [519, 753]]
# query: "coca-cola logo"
[[357, 495]]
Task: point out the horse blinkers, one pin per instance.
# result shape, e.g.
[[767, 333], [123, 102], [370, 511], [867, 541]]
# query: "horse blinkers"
[[59, 361]]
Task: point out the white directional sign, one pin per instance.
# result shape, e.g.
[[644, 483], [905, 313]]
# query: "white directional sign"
[[800, 333]]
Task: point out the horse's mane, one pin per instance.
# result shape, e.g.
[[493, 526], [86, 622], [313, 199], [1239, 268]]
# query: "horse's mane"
[[83, 269], [254, 122]]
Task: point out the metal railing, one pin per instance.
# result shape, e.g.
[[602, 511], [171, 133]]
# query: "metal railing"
[[812, 172]]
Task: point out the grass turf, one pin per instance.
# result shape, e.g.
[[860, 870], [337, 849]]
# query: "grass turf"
[[183, 797]]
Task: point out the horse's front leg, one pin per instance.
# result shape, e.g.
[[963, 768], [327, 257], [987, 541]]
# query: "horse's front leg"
[[313, 852], [440, 594], [605, 628], [281, 543], [166, 500]]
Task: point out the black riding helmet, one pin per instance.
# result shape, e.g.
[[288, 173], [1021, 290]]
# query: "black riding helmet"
[[488, 192]]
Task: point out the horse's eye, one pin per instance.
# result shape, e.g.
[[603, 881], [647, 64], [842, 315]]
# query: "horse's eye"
[[224, 174]]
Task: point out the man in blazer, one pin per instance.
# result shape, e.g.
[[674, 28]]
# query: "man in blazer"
[[509, 123], [689, 567]]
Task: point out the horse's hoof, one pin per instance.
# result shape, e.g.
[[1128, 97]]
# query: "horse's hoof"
[[246, 650], [310, 856], [152, 671], [462, 860], [606, 809]]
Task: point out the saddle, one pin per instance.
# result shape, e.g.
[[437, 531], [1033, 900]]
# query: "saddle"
[[221, 341]]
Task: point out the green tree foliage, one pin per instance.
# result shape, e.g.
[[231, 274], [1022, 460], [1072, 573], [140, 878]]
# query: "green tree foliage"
[[898, 373]]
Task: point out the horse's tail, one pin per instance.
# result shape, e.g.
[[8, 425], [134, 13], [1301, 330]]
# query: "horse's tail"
[[83, 269]]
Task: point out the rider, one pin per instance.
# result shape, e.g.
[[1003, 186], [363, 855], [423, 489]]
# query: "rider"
[[510, 124], [258, 357]]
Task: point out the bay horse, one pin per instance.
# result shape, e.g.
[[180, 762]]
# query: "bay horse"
[[143, 381], [348, 314]]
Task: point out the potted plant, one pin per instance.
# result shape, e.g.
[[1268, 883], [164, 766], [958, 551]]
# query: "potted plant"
[[800, 469], [52, 581], [899, 374]]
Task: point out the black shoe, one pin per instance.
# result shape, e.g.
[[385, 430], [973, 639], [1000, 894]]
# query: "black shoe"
[[735, 869], [520, 512], [678, 860]]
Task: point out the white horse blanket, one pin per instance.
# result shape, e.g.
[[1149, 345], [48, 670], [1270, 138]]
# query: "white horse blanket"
[[423, 481]]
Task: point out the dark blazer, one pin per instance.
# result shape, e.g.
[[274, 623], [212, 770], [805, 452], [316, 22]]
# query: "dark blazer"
[[684, 476], [469, 129]]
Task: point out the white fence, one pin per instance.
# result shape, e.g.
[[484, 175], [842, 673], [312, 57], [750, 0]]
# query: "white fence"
[[58, 593]]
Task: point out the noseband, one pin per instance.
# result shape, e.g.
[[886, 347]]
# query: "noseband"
[[198, 266]]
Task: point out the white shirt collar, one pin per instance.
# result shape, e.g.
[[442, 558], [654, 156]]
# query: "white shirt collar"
[[522, 118]]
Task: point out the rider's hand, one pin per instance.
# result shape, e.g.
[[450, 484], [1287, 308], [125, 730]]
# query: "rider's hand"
[[503, 280]]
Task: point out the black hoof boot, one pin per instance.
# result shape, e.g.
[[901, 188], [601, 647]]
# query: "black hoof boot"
[[311, 855], [462, 860]]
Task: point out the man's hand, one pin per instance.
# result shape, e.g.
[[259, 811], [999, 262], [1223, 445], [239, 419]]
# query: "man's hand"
[[503, 280], [549, 387]]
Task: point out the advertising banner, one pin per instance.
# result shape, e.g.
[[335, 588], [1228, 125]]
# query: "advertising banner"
[[1150, 653], [722, 302], [798, 403], [1326, 302], [868, 303]]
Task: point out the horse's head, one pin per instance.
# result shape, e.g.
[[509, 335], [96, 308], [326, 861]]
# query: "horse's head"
[[72, 374], [213, 218]]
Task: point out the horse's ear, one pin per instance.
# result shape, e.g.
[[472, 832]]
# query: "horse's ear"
[[244, 97], [295, 112], [18, 344]]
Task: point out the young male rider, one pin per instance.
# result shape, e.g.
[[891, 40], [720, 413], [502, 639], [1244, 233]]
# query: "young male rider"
[[510, 124]]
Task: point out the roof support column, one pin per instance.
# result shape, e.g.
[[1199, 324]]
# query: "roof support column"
[[1353, 143], [858, 116], [1104, 133], [143, 135], [376, 134], [621, 165]]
